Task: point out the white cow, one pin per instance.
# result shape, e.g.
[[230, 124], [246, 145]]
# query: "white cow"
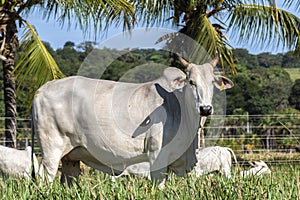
[[16, 162], [140, 170], [258, 169], [111, 125], [214, 158]]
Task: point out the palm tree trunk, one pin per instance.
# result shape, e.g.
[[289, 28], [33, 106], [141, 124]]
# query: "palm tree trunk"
[[9, 41], [10, 102]]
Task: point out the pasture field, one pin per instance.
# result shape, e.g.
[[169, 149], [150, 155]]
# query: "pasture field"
[[283, 183], [294, 73]]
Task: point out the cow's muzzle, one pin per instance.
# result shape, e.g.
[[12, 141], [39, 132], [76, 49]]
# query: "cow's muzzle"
[[205, 110]]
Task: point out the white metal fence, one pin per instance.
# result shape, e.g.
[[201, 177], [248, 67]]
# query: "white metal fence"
[[245, 134], [255, 132]]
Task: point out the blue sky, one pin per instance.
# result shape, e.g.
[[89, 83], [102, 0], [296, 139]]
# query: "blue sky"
[[51, 31]]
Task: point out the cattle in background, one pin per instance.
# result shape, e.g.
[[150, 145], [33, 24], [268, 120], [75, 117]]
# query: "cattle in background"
[[258, 169], [210, 159], [111, 125], [214, 158], [139, 170], [17, 163]]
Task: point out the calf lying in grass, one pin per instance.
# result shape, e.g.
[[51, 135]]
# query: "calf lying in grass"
[[17, 163], [258, 168], [215, 158], [210, 159]]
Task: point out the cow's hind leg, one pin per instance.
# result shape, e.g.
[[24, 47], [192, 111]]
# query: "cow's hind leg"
[[51, 156], [70, 170]]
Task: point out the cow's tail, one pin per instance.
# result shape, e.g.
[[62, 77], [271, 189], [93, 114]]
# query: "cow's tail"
[[233, 155], [33, 158]]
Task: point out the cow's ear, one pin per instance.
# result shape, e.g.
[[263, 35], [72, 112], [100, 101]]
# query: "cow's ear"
[[223, 83], [259, 163], [251, 163], [178, 83]]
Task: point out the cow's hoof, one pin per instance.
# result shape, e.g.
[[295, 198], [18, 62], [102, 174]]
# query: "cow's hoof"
[[162, 185]]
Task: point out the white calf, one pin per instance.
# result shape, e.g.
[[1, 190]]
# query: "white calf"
[[140, 170], [258, 168], [209, 159], [16, 162], [214, 158]]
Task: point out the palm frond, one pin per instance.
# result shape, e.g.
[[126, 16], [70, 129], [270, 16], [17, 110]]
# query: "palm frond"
[[91, 15], [295, 4], [264, 26], [205, 34], [160, 12], [155, 12], [35, 66], [199, 42]]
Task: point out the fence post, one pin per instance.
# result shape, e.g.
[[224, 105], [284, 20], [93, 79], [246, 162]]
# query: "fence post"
[[268, 140]]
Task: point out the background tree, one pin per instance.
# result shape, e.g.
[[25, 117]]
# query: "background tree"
[[268, 60], [257, 22], [290, 60], [260, 91], [245, 59], [294, 98], [36, 64]]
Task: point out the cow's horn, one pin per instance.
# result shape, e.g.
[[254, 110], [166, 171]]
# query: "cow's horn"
[[215, 61], [184, 62]]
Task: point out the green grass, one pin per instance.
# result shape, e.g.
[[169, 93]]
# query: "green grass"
[[283, 183], [294, 73]]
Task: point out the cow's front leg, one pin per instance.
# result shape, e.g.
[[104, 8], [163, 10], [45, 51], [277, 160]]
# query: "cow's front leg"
[[158, 169], [70, 170], [158, 163]]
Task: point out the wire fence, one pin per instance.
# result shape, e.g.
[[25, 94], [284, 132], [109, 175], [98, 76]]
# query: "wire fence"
[[246, 134]]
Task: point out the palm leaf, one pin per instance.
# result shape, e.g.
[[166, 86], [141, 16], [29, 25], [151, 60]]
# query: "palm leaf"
[[91, 15], [292, 4], [154, 12], [199, 42], [35, 66], [204, 33], [160, 12], [264, 26], [206, 41]]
